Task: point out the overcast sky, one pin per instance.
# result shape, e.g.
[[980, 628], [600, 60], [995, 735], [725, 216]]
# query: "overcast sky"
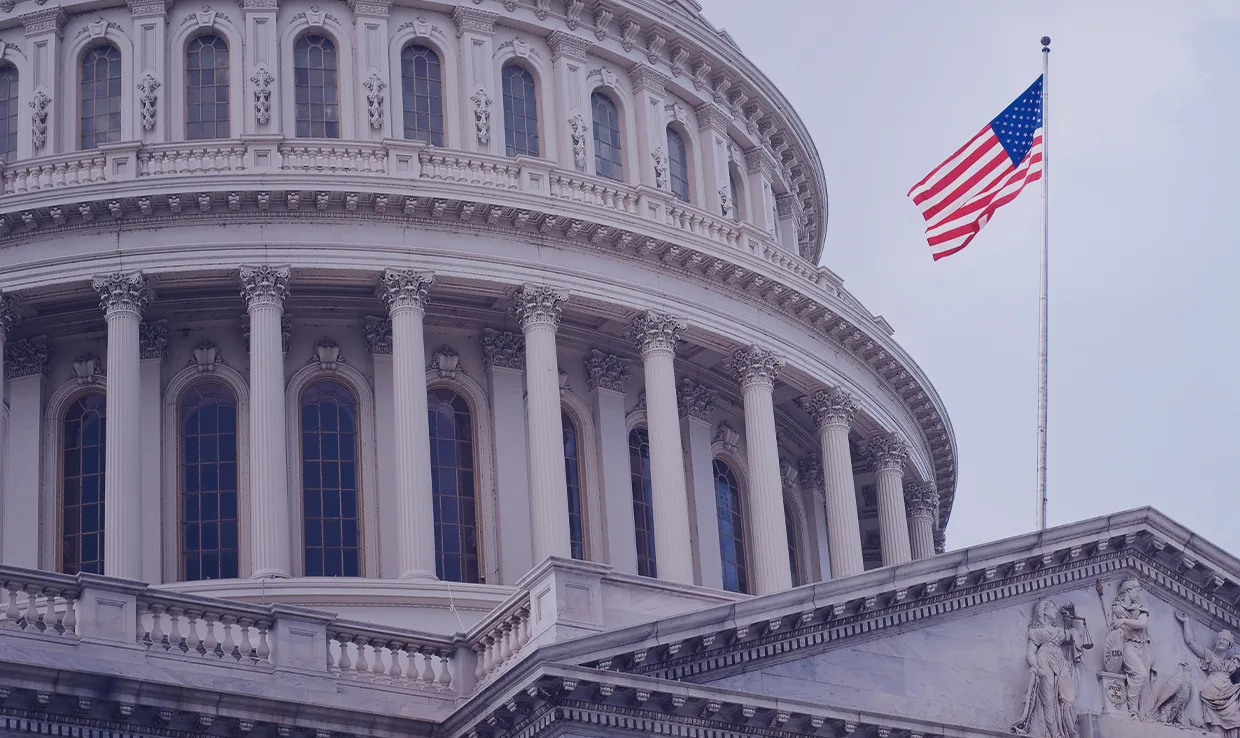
[[1144, 307]]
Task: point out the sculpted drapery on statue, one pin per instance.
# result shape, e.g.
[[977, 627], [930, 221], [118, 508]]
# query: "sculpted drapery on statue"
[[1054, 648], [1220, 698], [1127, 649]]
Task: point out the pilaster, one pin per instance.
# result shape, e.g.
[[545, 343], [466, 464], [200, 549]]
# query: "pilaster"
[[41, 136], [375, 96], [760, 170], [150, 23], [696, 404], [713, 153], [27, 362], [9, 318], [484, 126], [504, 354], [379, 341], [153, 348], [812, 499], [649, 94], [606, 376], [572, 98], [262, 62]]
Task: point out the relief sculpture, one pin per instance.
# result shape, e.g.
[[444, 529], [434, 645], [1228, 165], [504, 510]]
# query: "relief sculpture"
[[1127, 649], [1220, 696], [1055, 647]]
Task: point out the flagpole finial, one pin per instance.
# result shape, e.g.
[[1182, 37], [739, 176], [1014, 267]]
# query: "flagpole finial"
[[1046, 43]]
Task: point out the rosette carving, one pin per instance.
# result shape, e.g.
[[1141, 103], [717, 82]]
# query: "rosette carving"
[[265, 285], [503, 349], [831, 406], [606, 371], [695, 400], [537, 304], [123, 293], [756, 366], [921, 499], [887, 451], [656, 331], [404, 289]]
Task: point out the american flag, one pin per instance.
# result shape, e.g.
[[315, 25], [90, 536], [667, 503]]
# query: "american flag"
[[960, 195]]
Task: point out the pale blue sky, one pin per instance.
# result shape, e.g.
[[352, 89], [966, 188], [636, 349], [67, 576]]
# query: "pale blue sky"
[[1144, 159]]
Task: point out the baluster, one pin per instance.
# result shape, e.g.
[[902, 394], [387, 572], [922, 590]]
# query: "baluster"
[[210, 643], [505, 642], [229, 645], [344, 664], [176, 640], [192, 641], [376, 669], [32, 616], [264, 648], [54, 618], [445, 672], [524, 635], [488, 655], [396, 675], [45, 176], [70, 620], [157, 627], [480, 661], [363, 663], [11, 613], [247, 648], [426, 676]]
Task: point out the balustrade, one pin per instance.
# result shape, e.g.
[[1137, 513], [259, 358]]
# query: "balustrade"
[[333, 157], [164, 159], [34, 602], [588, 191], [63, 170], [203, 628], [469, 169], [390, 656], [501, 638]]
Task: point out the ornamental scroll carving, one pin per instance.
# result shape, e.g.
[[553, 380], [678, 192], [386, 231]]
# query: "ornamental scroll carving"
[[606, 371], [831, 406], [123, 293], [265, 285], [39, 104], [148, 99], [695, 400], [28, 357], [577, 128], [153, 339], [660, 168], [262, 79], [375, 86], [379, 335], [503, 349], [403, 289], [656, 331], [9, 317], [1054, 648], [537, 304], [482, 115], [756, 366]]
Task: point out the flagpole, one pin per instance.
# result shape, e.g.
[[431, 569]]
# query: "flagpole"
[[1042, 301]]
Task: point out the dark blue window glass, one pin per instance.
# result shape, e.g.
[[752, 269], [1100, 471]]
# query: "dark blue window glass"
[[82, 490], [101, 96], [316, 87], [8, 112], [209, 483], [731, 528], [607, 161], [643, 502], [206, 87], [678, 165], [329, 480], [422, 94], [452, 486], [520, 111], [572, 473], [794, 556]]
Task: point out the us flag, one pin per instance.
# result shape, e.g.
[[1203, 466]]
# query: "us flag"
[[989, 171]]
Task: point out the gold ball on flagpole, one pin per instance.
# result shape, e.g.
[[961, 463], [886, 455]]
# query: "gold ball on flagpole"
[[1046, 41]]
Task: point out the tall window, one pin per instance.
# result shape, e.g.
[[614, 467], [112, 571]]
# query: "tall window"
[[8, 112], [734, 191], [206, 87], [643, 502], [82, 486], [452, 486], [208, 483], [422, 94], [316, 87], [607, 162], [329, 480], [731, 528], [101, 96], [678, 165], [520, 111], [572, 473], [794, 555]]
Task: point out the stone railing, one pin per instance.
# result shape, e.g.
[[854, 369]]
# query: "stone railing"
[[203, 627], [333, 156], [398, 658], [473, 169], [501, 639], [51, 172], [596, 191], [39, 602], [184, 158]]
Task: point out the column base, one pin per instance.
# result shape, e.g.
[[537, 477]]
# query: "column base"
[[419, 575], [270, 574]]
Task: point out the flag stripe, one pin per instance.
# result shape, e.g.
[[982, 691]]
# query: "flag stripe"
[[951, 158], [985, 145]]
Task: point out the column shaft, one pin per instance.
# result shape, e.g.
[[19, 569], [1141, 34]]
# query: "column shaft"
[[888, 453], [548, 486], [843, 526], [921, 533], [921, 499], [415, 499], [606, 377]]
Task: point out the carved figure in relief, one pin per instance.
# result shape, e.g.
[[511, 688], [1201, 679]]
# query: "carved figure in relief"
[[1127, 649], [1220, 697], [1054, 649], [482, 115], [1173, 696]]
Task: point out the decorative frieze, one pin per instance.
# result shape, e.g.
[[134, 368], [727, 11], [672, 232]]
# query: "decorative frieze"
[[660, 167], [472, 20], [755, 365], [265, 285], [379, 335], [535, 304], [695, 400], [830, 406], [568, 46], [123, 293], [38, 119], [47, 20], [646, 77], [655, 331], [27, 357], [887, 451], [503, 349], [404, 289], [577, 131], [606, 371], [153, 339]]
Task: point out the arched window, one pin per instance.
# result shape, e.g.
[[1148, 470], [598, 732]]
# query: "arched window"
[[794, 554], [8, 112], [208, 440], [607, 161], [206, 87], [329, 480], [101, 96], [520, 111], [81, 473], [316, 87], [731, 528], [422, 94], [734, 191], [572, 474], [452, 485], [678, 165], [643, 502]]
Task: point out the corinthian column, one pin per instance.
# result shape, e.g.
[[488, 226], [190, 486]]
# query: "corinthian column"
[[833, 410], [538, 308], [404, 293], [921, 499], [123, 298], [657, 335], [757, 368], [888, 453], [265, 288]]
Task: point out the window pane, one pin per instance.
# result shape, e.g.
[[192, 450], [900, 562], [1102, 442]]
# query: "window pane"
[[208, 449], [794, 560], [643, 502], [100, 96], [329, 499], [731, 528], [678, 165], [316, 81], [607, 161], [8, 112], [520, 111], [82, 471], [206, 84], [452, 486], [422, 94], [572, 474]]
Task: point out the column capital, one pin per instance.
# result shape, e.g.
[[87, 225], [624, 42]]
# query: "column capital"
[[830, 406], [921, 499], [28, 357], [379, 335], [123, 293], [565, 44], [606, 371], [153, 339], [756, 366], [9, 317], [504, 349], [940, 540], [656, 331], [404, 289], [48, 20], [265, 285], [695, 400], [536, 304], [887, 451], [811, 473], [473, 20]]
